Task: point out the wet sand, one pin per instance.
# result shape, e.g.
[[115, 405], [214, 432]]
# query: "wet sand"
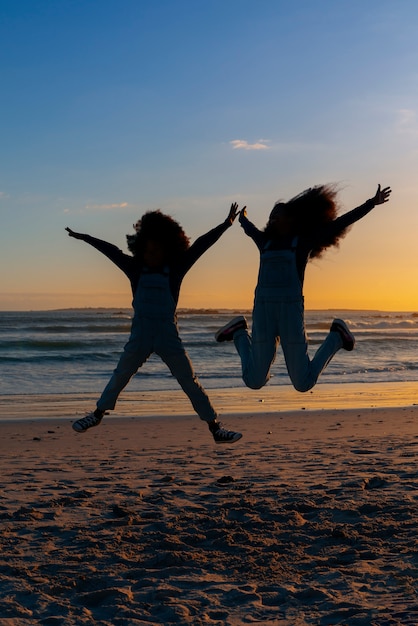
[[311, 518]]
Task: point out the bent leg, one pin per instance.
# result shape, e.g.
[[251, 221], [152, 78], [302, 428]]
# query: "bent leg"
[[303, 371], [258, 349]]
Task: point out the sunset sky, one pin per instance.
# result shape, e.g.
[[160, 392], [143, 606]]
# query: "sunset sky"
[[110, 108]]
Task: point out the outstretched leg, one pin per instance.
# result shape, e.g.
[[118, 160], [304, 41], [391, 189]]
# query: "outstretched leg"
[[173, 353], [135, 353]]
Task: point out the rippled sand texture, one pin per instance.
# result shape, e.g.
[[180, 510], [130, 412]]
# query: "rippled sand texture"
[[310, 519]]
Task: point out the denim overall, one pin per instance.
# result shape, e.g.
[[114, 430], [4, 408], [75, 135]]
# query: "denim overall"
[[154, 329], [278, 317]]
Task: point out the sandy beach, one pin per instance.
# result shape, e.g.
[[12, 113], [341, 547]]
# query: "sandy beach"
[[311, 518]]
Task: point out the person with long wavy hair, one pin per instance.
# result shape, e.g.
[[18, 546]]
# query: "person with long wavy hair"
[[297, 231], [161, 255]]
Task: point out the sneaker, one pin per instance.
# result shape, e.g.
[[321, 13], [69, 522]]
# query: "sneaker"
[[83, 424], [339, 326], [226, 333], [221, 434]]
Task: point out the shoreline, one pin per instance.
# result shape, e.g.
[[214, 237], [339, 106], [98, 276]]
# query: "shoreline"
[[228, 401]]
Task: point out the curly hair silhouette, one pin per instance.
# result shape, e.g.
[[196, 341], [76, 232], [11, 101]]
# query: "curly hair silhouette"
[[307, 212], [160, 228]]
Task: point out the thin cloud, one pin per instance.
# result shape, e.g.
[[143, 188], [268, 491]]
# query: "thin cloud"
[[106, 207], [242, 144], [284, 147]]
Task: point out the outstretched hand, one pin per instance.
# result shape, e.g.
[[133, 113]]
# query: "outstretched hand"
[[242, 213], [233, 212], [382, 195], [72, 233]]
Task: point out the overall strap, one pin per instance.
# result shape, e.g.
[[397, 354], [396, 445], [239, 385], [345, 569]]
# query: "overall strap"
[[165, 271], [292, 247]]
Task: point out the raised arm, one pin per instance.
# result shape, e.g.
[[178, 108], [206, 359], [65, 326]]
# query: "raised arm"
[[250, 229], [112, 252], [204, 242], [381, 196]]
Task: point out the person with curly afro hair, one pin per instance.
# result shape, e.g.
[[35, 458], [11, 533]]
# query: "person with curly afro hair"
[[297, 231], [161, 255]]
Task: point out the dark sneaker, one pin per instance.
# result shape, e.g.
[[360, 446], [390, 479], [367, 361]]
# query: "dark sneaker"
[[87, 422], [226, 333], [339, 326], [221, 434]]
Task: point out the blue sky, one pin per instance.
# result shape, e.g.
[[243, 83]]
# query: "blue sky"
[[111, 108]]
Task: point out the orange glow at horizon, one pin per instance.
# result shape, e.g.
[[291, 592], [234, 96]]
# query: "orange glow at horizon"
[[316, 297]]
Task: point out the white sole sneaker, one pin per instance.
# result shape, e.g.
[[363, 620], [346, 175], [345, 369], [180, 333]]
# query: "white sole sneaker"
[[83, 424], [346, 335], [226, 436], [226, 333]]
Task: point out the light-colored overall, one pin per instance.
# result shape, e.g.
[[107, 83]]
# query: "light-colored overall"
[[278, 316], [154, 329]]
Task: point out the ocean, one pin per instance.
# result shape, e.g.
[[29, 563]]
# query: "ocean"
[[76, 350]]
